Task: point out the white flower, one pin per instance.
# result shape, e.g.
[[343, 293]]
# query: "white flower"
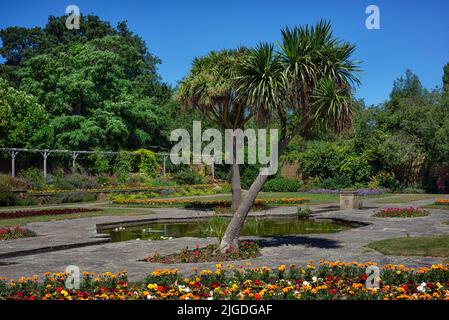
[[149, 297], [305, 284], [314, 279], [210, 298], [422, 287]]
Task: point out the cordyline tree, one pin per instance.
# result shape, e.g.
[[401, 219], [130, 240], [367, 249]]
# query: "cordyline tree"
[[211, 88], [306, 83]]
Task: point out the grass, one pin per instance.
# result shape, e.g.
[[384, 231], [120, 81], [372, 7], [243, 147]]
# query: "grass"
[[103, 212], [437, 206], [404, 198], [437, 246]]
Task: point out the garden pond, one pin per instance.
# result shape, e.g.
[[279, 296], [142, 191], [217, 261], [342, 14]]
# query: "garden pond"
[[215, 227]]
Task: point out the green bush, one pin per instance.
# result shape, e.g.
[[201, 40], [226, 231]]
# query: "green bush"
[[188, 177], [281, 185], [34, 179], [385, 180], [148, 164], [75, 181], [7, 197], [68, 197], [248, 174], [124, 166], [336, 183]]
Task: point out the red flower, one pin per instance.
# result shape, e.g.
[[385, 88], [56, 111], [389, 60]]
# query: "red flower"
[[59, 289], [257, 296]]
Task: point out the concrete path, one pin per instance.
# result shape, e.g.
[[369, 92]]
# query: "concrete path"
[[347, 245]]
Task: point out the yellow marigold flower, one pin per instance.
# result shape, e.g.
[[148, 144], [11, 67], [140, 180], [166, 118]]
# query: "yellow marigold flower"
[[281, 268]]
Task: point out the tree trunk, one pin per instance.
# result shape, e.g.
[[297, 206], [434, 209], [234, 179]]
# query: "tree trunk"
[[230, 239], [235, 186]]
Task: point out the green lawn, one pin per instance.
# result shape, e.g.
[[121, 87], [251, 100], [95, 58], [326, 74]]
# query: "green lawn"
[[437, 246], [437, 206], [404, 198], [104, 212]]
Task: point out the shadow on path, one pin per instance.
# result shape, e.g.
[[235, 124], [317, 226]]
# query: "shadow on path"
[[298, 240]]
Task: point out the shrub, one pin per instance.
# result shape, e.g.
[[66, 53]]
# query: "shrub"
[[281, 185], [75, 181], [148, 164], [34, 179], [303, 213], [413, 190], [7, 197], [68, 197], [14, 183], [135, 179], [188, 177], [248, 174], [124, 166], [384, 180], [336, 183]]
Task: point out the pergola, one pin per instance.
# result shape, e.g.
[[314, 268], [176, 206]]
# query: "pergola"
[[46, 152]]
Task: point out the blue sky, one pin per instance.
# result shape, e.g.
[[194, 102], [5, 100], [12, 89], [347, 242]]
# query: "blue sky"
[[413, 34]]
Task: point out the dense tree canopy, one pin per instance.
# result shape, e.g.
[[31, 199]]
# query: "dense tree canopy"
[[98, 84]]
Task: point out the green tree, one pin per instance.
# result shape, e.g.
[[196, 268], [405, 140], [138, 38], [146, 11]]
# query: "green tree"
[[306, 83], [98, 84], [211, 88], [23, 121]]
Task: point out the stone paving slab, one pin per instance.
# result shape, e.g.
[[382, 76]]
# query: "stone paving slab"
[[348, 245]]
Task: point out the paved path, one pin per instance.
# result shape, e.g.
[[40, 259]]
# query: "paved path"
[[347, 245]]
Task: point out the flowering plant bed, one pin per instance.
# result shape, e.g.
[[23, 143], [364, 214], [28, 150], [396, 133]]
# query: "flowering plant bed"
[[46, 212], [247, 250], [112, 189], [11, 233], [401, 213], [442, 202], [325, 281], [205, 204]]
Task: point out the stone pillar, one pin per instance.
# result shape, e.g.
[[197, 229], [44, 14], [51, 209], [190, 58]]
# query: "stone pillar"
[[13, 163], [349, 200]]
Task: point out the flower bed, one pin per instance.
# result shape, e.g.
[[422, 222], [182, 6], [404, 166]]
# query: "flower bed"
[[125, 189], [205, 204], [247, 250], [325, 281], [46, 212], [442, 202], [11, 233], [401, 213]]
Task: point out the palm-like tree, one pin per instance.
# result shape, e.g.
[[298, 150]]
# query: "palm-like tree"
[[306, 83], [211, 88]]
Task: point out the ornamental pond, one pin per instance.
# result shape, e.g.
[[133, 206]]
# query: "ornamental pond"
[[203, 228]]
